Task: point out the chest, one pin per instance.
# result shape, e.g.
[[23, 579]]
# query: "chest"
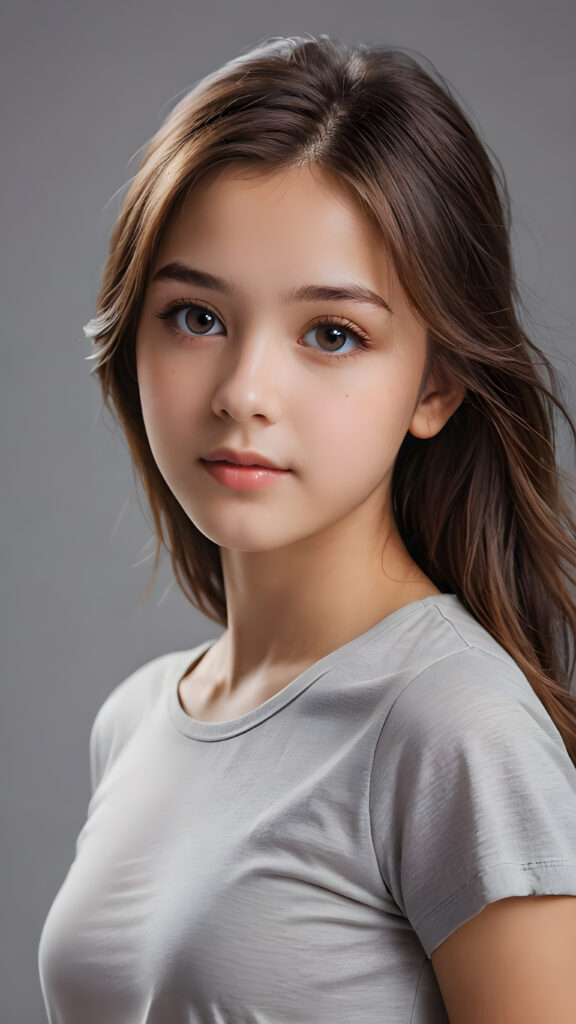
[[234, 878]]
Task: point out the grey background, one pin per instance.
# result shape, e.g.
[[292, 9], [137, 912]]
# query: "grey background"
[[84, 86]]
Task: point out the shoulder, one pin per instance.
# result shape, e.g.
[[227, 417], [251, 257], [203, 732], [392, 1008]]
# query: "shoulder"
[[469, 726], [128, 704], [456, 674], [133, 694], [436, 638], [458, 684]]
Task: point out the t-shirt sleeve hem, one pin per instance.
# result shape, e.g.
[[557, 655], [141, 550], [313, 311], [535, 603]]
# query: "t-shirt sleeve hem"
[[536, 878]]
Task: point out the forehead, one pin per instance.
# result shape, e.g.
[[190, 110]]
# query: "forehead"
[[278, 188], [236, 215]]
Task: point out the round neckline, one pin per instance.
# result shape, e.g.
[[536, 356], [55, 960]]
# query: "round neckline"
[[182, 661]]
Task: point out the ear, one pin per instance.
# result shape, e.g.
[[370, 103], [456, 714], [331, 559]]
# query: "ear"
[[440, 399]]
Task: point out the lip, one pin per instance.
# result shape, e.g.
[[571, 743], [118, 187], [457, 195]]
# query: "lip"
[[245, 458], [239, 477]]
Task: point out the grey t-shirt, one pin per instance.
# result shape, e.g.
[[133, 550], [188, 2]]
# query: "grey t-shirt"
[[298, 865]]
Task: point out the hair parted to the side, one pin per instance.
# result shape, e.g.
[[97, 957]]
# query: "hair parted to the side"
[[480, 505]]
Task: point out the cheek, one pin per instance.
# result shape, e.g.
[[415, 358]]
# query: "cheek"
[[357, 429], [167, 400]]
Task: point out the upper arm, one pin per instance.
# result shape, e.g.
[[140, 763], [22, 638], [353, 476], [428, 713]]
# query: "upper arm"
[[513, 963]]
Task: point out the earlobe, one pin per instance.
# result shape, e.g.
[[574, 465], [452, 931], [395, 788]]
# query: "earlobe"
[[435, 409]]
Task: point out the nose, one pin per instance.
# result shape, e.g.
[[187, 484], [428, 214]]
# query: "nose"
[[248, 381]]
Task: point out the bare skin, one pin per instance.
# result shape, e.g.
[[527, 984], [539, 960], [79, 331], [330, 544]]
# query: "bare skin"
[[315, 560]]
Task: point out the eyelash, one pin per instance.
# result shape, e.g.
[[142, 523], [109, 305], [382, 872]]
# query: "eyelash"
[[170, 311]]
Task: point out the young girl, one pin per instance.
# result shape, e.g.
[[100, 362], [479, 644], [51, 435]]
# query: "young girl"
[[358, 803]]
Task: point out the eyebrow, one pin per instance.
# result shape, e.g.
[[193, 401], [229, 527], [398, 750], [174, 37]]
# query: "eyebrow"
[[348, 292]]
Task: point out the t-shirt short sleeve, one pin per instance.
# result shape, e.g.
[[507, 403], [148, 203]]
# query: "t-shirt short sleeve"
[[117, 717], [473, 795], [97, 754], [102, 735]]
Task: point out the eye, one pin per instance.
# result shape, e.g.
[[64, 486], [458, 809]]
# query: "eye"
[[196, 320], [332, 333], [190, 318]]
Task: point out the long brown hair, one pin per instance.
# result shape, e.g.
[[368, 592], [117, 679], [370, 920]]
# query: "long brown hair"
[[480, 505]]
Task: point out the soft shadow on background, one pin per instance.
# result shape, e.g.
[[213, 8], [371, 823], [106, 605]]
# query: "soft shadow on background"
[[84, 87]]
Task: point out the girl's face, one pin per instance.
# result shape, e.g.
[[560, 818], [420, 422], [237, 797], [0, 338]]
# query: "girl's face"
[[325, 387]]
